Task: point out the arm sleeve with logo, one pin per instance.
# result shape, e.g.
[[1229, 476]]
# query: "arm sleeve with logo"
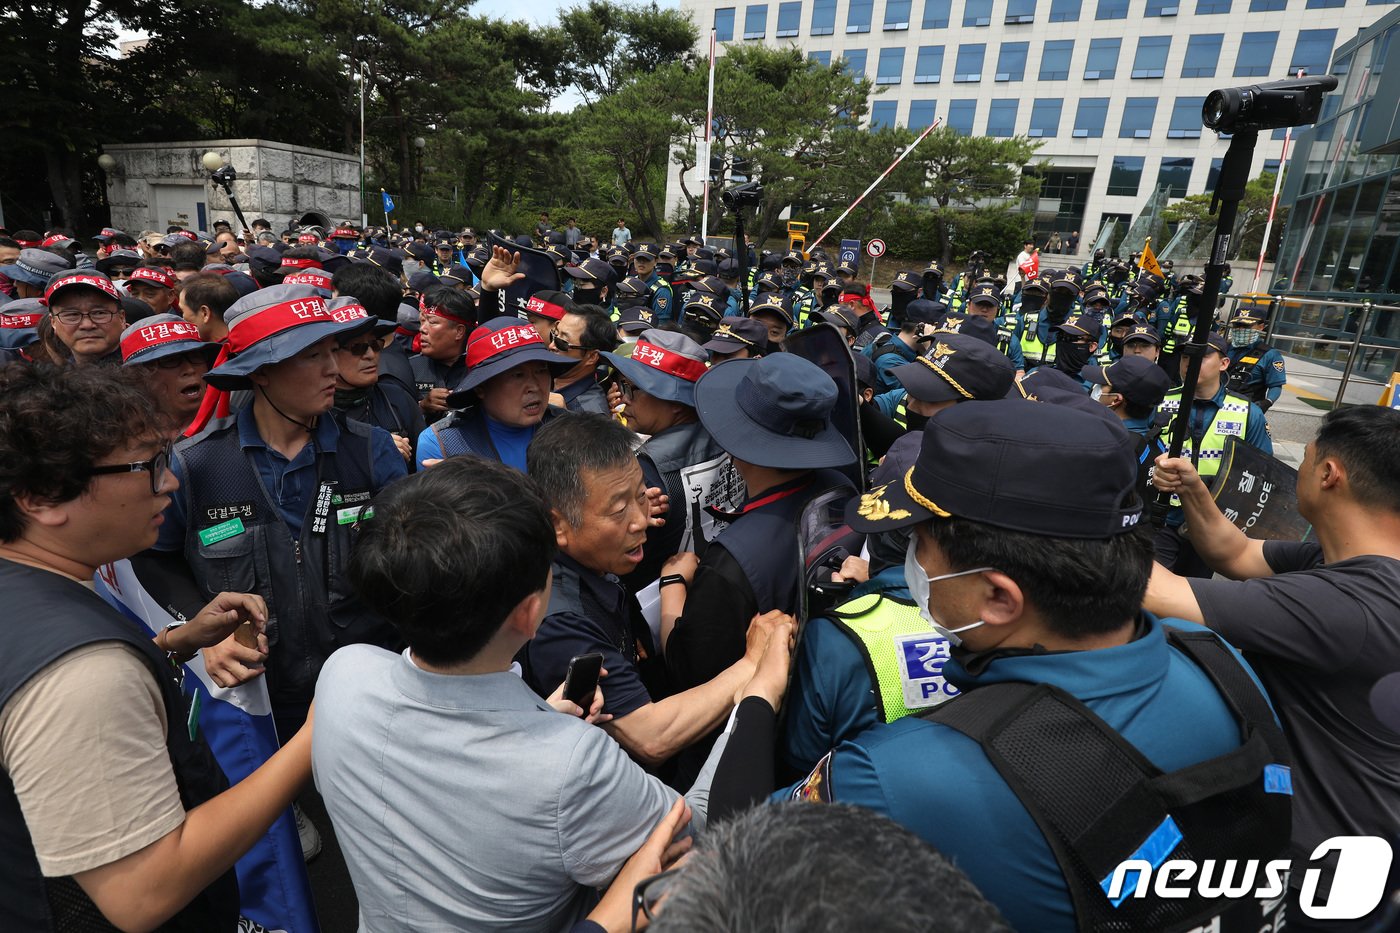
[[84, 744]]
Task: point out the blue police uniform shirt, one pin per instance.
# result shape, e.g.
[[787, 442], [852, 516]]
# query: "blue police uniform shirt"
[[832, 696], [659, 296], [1256, 434], [291, 484], [1269, 371], [888, 360], [1140, 426], [888, 402], [939, 784], [1013, 350], [511, 443]]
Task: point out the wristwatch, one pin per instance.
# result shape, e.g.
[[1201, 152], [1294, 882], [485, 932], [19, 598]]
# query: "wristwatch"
[[673, 578]]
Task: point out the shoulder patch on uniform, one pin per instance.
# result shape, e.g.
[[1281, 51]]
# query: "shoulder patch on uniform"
[[817, 787], [1278, 364]]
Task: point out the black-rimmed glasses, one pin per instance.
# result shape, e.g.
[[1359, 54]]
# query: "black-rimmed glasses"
[[156, 466], [647, 896]]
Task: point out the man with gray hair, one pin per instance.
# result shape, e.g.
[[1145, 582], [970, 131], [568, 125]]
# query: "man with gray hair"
[[586, 466]]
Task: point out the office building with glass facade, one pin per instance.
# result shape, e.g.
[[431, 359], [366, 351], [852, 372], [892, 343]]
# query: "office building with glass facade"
[[1112, 88]]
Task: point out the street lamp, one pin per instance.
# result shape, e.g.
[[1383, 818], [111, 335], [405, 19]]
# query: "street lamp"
[[212, 161], [107, 163], [361, 78], [418, 143]]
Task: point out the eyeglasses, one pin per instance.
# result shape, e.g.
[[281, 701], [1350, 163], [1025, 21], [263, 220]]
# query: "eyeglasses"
[[360, 348], [626, 388], [176, 360], [156, 466], [647, 895], [560, 342], [72, 318]]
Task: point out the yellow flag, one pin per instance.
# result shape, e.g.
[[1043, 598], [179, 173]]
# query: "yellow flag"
[[1148, 260]]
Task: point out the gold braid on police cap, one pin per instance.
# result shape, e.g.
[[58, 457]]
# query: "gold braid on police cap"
[[951, 381], [921, 498]]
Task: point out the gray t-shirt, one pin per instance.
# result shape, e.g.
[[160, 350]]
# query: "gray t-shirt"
[[467, 803], [1319, 636]]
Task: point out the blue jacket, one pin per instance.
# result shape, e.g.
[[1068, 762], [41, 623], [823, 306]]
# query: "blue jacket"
[[938, 783]]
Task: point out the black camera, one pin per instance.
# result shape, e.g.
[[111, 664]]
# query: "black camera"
[[1290, 102], [224, 176], [749, 194]]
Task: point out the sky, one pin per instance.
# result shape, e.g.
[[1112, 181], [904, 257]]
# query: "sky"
[[539, 12]]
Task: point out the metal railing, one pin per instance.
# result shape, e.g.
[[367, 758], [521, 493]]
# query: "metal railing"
[[1356, 346]]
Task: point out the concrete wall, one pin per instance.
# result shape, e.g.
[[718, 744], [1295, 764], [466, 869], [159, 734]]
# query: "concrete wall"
[[277, 181]]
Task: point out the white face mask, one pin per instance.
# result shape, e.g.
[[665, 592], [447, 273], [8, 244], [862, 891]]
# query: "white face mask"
[[919, 581], [1096, 392], [418, 228]]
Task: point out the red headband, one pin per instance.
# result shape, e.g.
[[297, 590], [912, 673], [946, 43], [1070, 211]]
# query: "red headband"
[[56, 238], [308, 238], [155, 335], [20, 321], [485, 344], [301, 264], [152, 274], [425, 308], [100, 283], [672, 364], [351, 310], [28, 244], [314, 279], [537, 305], [284, 316]]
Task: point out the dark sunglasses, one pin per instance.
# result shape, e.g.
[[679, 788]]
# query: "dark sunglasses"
[[361, 347], [156, 466], [560, 342]]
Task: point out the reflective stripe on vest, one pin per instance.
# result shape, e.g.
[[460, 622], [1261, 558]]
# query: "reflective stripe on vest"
[[1180, 329], [901, 411], [902, 653], [1230, 420], [1031, 348]]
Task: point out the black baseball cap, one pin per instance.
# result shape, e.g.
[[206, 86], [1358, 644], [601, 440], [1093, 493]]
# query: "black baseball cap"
[[984, 293], [736, 333], [1144, 333], [923, 311], [1136, 378], [1083, 325], [774, 304], [905, 281], [992, 461], [956, 368]]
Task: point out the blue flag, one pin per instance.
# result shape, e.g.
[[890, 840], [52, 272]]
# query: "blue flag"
[[388, 202], [273, 886]]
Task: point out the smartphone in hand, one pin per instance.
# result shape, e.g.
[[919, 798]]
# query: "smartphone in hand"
[[582, 679]]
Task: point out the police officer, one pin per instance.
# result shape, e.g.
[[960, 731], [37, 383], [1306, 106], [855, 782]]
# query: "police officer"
[[904, 288], [1132, 388], [1256, 369], [660, 297], [738, 338], [701, 315], [268, 497], [1061, 672], [1175, 324], [1094, 268], [984, 301], [775, 314], [931, 281], [956, 368], [1216, 414], [919, 317], [1029, 309], [593, 282]]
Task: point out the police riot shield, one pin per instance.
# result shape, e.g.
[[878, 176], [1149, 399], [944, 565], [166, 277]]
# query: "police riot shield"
[[1259, 494], [540, 275], [824, 345]]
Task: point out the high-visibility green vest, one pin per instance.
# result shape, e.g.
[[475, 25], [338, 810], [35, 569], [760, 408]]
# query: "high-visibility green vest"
[[1031, 348], [1231, 420], [1179, 331], [1006, 330], [904, 654]]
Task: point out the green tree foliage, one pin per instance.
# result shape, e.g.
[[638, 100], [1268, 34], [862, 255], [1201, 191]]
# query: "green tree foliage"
[[1249, 225]]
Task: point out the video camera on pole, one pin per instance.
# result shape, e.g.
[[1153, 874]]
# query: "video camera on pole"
[[224, 176], [1243, 111], [748, 193]]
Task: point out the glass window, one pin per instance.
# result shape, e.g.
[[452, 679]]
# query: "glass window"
[[883, 113], [1256, 54], [1271, 166], [1175, 176], [1125, 175], [1206, 7], [1163, 7], [1213, 175], [724, 24], [1090, 117], [789, 19], [937, 13], [1001, 118], [1112, 9], [1267, 6], [921, 113], [1186, 118], [891, 67], [1054, 61], [1045, 117], [1103, 59], [1020, 11], [1202, 55], [929, 65], [855, 62], [1065, 11], [1138, 114], [823, 18], [897, 14], [858, 15], [977, 13], [1380, 2], [1312, 51], [822, 58], [1151, 58], [1011, 61], [961, 113], [755, 20], [969, 64], [1326, 4]]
